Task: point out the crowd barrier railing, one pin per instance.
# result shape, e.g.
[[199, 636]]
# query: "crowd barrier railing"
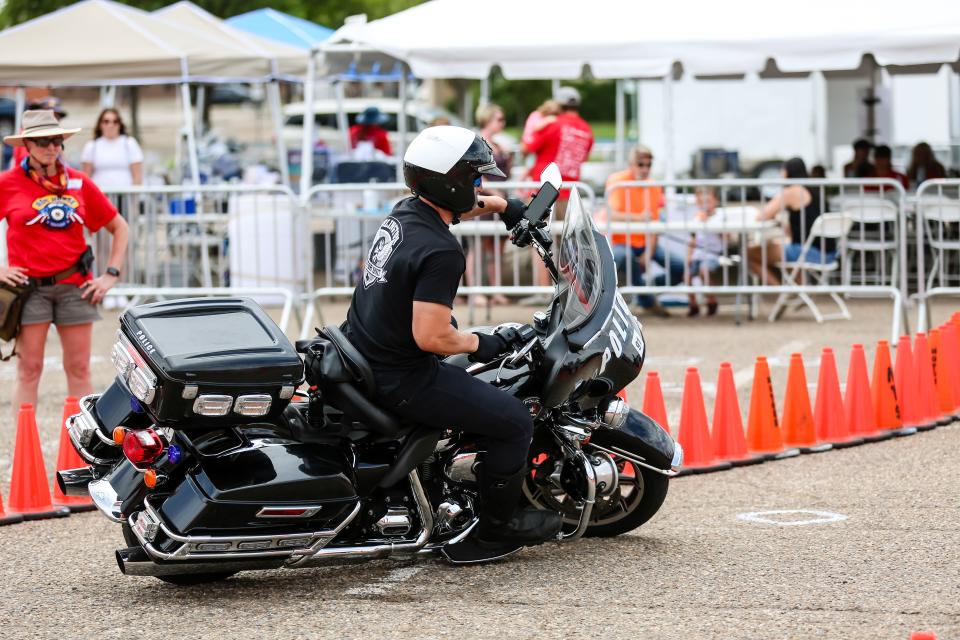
[[212, 240], [937, 208], [344, 218]]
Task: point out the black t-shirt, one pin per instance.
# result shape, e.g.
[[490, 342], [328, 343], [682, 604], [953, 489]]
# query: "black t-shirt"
[[413, 257]]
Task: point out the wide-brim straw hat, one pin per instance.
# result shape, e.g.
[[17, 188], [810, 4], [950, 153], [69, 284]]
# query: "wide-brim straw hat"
[[39, 124]]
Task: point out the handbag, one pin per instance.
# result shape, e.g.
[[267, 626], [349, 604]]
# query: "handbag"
[[12, 299]]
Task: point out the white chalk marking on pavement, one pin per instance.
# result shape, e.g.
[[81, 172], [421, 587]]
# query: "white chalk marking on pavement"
[[383, 585], [671, 361], [822, 517]]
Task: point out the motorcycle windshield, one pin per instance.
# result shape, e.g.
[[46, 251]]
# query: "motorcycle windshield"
[[578, 261]]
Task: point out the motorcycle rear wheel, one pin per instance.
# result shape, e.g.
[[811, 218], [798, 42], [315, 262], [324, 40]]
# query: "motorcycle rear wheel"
[[639, 496], [185, 580]]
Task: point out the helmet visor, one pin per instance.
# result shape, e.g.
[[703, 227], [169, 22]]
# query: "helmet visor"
[[490, 169]]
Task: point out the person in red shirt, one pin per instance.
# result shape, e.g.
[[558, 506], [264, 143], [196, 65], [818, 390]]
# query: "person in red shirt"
[[46, 206], [566, 141], [883, 166], [369, 128]]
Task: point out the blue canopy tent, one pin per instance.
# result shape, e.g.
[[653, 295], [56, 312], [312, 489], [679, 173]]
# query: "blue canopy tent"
[[273, 24]]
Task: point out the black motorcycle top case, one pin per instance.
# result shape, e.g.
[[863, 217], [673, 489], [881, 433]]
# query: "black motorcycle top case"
[[219, 346]]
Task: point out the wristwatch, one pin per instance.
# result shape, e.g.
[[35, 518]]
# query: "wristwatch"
[[112, 271]]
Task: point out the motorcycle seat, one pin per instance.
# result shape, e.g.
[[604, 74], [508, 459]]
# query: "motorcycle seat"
[[347, 379]]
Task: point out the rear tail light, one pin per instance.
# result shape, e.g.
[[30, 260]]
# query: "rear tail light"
[[142, 447], [253, 405], [212, 405]]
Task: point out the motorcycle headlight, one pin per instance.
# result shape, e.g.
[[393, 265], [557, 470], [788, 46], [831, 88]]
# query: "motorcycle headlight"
[[616, 413]]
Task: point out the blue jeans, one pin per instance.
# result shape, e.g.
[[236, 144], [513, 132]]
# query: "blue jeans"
[[620, 253], [792, 251], [674, 268]]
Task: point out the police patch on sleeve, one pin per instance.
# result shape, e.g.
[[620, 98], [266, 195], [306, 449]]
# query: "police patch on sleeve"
[[56, 212], [385, 242]]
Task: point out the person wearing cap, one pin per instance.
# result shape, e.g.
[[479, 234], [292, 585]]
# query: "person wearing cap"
[[368, 127], [46, 206], [48, 103]]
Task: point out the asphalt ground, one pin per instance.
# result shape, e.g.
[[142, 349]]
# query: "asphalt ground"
[[878, 560]]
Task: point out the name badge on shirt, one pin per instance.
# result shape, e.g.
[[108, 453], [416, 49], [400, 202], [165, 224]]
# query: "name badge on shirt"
[[75, 183]]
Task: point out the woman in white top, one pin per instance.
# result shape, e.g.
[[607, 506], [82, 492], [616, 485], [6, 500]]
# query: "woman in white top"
[[112, 158]]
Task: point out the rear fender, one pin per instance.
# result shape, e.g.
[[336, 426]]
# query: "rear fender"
[[642, 437]]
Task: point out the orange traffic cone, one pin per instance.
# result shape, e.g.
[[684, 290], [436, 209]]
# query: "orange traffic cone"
[[68, 458], [694, 436], [941, 377], [857, 402], [950, 345], [923, 635], [29, 495], [653, 405], [905, 374], [729, 442], [798, 429], [883, 390], [763, 431], [829, 418], [923, 368], [8, 519]]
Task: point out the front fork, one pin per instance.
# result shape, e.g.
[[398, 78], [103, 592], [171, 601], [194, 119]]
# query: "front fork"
[[586, 504]]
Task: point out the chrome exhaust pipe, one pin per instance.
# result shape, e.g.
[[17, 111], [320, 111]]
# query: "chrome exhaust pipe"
[[134, 561], [73, 482]]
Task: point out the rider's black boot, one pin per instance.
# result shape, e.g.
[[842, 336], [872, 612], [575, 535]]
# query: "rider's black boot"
[[500, 519]]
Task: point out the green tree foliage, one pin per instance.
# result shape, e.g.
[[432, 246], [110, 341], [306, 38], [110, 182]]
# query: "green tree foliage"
[[329, 13], [519, 97]]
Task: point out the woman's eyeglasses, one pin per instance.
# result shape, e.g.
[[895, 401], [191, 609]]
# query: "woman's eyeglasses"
[[644, 165], [46, 142], [105, 121]]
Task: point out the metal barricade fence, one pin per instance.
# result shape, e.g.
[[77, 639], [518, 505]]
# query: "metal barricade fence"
[[343, 219], [937, 209], [734, 250], [212, 240]]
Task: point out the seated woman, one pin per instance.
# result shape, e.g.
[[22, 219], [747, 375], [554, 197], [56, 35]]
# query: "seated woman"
[[803, 207], [705, 249]]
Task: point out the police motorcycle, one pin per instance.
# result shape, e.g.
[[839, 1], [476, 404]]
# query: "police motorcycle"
[[213, 463]]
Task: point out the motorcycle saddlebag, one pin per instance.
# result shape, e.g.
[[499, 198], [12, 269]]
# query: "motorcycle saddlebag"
[[207, 362]]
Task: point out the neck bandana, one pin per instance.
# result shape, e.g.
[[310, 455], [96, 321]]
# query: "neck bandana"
[[57, 184]]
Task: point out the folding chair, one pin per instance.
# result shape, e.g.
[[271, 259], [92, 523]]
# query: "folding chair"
[[828, 226], [876, 232], [940, 217]]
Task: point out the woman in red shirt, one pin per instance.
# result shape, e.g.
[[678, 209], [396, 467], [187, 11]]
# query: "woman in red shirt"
[[46, 206]]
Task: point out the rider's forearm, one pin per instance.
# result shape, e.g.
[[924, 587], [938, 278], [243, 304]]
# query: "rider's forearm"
[[449, 342]]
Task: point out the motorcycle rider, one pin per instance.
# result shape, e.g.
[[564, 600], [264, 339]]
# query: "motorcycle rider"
[[401, 320]]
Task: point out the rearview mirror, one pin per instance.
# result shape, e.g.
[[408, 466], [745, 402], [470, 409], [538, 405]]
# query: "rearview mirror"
[[552, 175]]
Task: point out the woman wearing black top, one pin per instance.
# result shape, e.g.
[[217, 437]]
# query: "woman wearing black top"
[[803, 206]]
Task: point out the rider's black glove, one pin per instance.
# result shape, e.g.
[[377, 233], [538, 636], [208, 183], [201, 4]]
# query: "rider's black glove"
[[513, 213], [490, 346]]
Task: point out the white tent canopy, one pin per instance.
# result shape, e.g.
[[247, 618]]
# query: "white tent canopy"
[[631, 39], [121, 45]]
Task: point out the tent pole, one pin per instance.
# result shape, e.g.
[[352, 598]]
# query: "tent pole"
[[342, 117], [306, 154], [554, 87], [668, 124], [621, 152], [21, 100], [466, 108], [201, 107], [953, 102], [636, 108], [402, 121], [485, 90], [819, 90], [273, 90], [191, 136]]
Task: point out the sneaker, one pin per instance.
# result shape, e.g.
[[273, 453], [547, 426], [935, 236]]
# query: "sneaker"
[[537, 300]]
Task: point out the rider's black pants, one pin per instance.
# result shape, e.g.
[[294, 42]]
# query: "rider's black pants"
[[455, 399]]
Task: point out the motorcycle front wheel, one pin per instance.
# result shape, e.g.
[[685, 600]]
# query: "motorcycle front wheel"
[[185, 580], [639, 495]]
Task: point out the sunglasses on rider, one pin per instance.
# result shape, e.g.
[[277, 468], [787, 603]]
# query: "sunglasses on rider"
[[46, 142]]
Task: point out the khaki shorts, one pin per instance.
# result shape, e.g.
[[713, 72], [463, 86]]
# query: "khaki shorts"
[[60, 304]]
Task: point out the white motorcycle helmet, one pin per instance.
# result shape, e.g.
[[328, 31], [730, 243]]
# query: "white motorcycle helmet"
[[443, 165]]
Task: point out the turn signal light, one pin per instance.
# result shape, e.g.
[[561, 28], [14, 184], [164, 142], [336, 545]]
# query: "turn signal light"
[[150, 478], [142, 446], [119, 434]]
